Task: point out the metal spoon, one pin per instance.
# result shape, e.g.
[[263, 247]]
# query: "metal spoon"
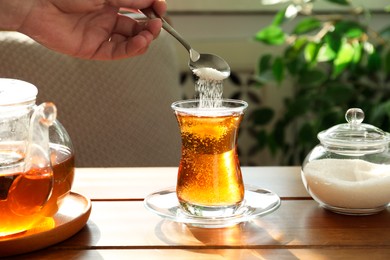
[[197, 60]]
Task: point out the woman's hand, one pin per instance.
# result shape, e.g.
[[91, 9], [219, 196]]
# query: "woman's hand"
[[89, 29]]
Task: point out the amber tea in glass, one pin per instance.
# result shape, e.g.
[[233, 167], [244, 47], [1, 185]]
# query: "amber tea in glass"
[[209, 179]]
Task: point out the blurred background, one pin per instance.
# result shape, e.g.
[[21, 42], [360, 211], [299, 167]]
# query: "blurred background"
[[300, 64], [232, 30]]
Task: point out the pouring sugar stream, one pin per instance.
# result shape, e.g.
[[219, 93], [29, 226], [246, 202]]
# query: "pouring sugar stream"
[[209, 86]]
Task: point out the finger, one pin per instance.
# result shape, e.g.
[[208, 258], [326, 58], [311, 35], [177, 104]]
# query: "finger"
[[154, 27], [129, 27], [134, 46], [119, 47], [79, 6], [118, 38], [126, 26], [159, 6]]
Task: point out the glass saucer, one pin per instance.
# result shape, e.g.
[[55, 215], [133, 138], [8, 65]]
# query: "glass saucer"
[[257, 202]]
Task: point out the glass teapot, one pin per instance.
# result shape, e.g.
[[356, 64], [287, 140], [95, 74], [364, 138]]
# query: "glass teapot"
[[349, 171], [36, 158]]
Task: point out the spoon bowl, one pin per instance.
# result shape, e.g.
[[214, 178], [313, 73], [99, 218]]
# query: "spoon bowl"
[[197, 60], [213, 61]]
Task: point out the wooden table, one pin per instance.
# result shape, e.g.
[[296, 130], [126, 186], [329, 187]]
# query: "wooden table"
[[121, 228]]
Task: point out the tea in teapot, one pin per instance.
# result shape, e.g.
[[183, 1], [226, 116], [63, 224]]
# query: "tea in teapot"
[[36, 158]]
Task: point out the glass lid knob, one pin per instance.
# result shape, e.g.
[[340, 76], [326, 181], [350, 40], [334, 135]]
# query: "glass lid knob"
[[354, 116]]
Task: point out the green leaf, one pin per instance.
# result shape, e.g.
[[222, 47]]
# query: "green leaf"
[[293, 56], [279, 17], [306, 133], [312, 78], [265, 62], [379, 112], [272, 35], [294, 50], [262, 138], [262, 116], [331, 117], [278, 133], [264, 77], [325, 53], [385, 33], [339, 2], [299, 44], [334, 41], [265, 73], [272, 144], [343, 59], [339, 93], [311, 52], [278, 69], [358, 50], [387, 62], [349, 29], [374, 62], [296, 66], [307, 25], [297, 108]]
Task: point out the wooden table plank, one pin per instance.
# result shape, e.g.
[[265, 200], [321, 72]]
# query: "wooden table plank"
[[209, 254], [137, 183], [295, 225], [284, 181], [121, 228]]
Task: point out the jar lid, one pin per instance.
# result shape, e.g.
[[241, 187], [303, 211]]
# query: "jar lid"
[[14, 91], [354, 137]]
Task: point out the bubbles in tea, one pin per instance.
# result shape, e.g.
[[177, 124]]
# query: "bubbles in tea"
[[209, 171]]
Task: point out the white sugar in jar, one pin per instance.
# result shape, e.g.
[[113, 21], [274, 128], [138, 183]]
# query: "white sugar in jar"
[[349, 171]]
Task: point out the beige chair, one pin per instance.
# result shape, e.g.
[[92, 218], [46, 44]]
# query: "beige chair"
[[117, 112]]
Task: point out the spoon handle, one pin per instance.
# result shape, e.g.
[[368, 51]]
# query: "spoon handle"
[[151, 14]]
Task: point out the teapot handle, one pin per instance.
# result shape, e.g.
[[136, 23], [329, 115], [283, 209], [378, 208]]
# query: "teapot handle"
[[38, 150]]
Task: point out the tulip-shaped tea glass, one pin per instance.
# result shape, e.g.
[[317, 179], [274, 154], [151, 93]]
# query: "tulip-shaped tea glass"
[[209, 182]]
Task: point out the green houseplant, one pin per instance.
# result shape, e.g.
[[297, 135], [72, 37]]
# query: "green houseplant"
[[333, 62]]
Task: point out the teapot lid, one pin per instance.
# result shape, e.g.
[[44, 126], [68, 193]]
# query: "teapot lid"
[[13, 91], [354, 137]]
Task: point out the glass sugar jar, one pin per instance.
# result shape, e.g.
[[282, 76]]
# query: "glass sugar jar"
[[349, 171]]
